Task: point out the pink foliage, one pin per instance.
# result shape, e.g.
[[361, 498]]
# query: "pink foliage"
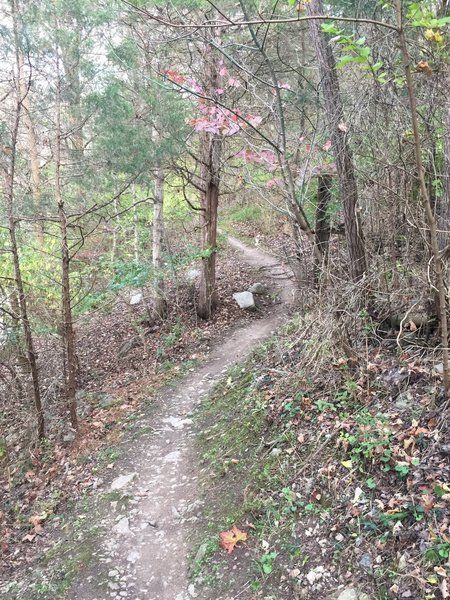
[[266, 158]]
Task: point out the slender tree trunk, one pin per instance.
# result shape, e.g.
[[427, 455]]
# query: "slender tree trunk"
[[211, 152], [429, 216], [114, 232], [67, 323], [443, 208], [33, 152], [160, 304], [12, 223], [70, 55], [212, 147], [322, 221], [341, 149], [135, 226]]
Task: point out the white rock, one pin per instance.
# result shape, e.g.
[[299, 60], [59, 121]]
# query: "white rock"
[[192, 592], [315, 575], [122, 481], [245, 300], [177, 422], [133, 556], [172, 456], [136, 299], [122, 527], [352, 594], [348, 594]]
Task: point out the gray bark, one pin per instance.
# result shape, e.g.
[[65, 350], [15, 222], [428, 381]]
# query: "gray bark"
[[341, 149]]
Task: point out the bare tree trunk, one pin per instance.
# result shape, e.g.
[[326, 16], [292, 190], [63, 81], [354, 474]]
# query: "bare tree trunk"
[[160, 304], [211, 151], [68, 334], [135, 226], [114, 232], [443, 208], [212, 147], [429, 217], [322, 221], [12, 221], [33, 151], [341, 149], [70, 55]]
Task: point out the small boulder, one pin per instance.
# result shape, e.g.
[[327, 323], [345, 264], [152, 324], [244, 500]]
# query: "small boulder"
[[122, 527], [122, 481], [136, 299], [245, 300], [353, 594], [258, 289], [348, 594]]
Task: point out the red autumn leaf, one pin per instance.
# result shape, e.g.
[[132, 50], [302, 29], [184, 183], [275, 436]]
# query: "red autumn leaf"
[[229, 539]]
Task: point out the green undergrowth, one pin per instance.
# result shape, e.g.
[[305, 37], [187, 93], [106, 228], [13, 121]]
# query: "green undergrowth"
[[331, 483], [57, 567]]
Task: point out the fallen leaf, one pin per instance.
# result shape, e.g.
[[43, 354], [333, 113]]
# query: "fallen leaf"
[[229, 539], [423, 66], [35, 520], [347, 464], [412, 326]]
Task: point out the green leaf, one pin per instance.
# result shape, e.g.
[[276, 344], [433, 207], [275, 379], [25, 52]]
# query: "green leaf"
[[371, 483], [345, 60], [329, 27], [365, 52], [438, 491]]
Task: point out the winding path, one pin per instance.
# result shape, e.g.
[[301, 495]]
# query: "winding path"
[[143, 556]]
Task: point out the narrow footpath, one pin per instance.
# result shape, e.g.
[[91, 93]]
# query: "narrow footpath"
[[143, 554]]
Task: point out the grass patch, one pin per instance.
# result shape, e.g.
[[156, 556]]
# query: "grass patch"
[[246, 214]]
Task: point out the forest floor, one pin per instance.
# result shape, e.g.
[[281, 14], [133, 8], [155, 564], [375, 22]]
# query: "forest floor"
[[130, 536], [280, 465]]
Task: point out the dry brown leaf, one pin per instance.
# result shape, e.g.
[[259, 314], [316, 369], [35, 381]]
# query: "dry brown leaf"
[[229, 539]]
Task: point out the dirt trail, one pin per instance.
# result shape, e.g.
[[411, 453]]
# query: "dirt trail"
[[143, 556]]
